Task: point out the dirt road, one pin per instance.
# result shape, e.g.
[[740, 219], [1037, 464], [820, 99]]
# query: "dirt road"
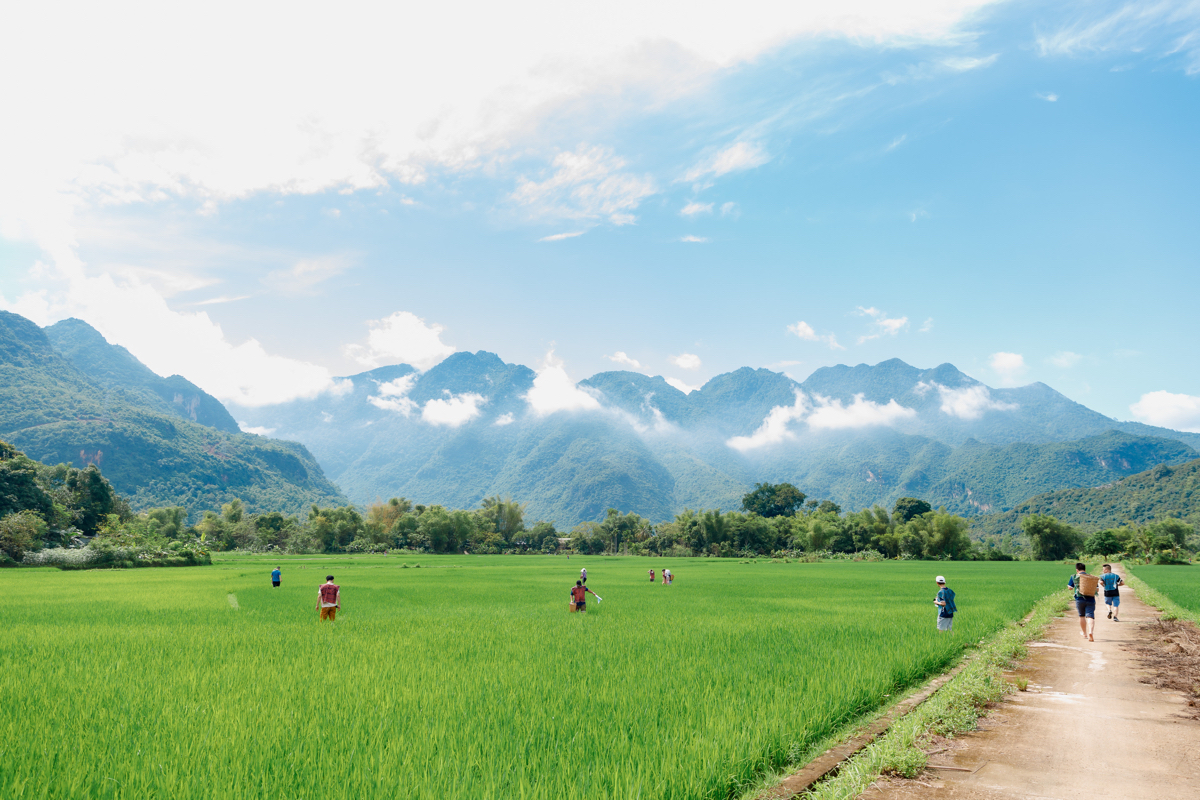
[[1087, 727]]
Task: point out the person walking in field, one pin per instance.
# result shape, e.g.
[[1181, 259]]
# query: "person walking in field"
[[583, 574], [666, 573], [652, 574], [329, 598], [579, 594], [275, 576], [945, 603], [1112, 595], [1085, 603]]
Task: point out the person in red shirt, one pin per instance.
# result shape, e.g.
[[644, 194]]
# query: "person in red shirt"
[[652, 576], [329, 598], [579, 595]]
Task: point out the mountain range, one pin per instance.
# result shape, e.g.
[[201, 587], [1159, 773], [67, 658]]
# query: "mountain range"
[[475, 426], [68, 396]]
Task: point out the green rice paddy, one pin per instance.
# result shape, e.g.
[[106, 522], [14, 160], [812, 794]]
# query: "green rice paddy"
[[465, 677], [1180, 583]]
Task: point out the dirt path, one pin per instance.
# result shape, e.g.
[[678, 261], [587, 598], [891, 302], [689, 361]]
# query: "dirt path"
[[1087, 728]]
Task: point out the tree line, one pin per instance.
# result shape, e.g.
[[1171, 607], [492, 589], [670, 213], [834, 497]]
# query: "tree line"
[[46, 512]]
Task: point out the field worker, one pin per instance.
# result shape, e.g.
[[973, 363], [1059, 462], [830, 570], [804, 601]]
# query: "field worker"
[[579, 595], [1112, 595], [945, 603], [1084, 604], [652, 575], [275, 576], [329, 598], [666, 573], [583, 574]]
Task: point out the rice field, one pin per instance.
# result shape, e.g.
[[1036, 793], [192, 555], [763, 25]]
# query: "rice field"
[[1180, 583], [465, 677]]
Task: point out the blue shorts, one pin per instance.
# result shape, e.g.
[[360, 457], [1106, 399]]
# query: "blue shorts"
[[1086, 606], [1113, 601]]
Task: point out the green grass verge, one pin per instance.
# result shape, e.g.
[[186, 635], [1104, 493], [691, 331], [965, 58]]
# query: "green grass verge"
[[952, 709]]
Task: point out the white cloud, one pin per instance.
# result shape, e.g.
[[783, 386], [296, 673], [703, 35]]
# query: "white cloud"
[[686, 388], [587, 184], [1008, 366], [963, 64], [926, 326], [774, 429], [824, 414], [729, 209], [1049, 97], [1180, 412], [968, 402], [686, 361], [306, 274], [553, 390], [620, 357], [1066, 359], [693, 208], [393, 395], [403, 337], [884, 326], [504, 419], [736, 157], [806, 332], [899, 140], [558, 237], [1161, 28], [862, 413], [453, 410], [257, 430], [694, 239]]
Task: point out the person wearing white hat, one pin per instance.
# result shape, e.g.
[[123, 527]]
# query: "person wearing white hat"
[[945, 603]]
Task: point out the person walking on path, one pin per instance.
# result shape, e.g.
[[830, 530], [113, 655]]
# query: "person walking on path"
[[1112, 595], [275, 576], [579, 594], [945, 603], [1085, 604], [329, 598]]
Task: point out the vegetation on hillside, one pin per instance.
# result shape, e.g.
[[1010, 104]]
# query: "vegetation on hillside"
[[154, 457], [1157, 495]]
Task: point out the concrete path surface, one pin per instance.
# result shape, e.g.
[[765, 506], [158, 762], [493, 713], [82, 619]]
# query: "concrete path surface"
[[1086, 728]]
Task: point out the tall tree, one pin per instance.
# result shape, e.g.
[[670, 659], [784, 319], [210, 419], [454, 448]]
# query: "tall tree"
[[1051, 540], [773, 500], [908, 507]]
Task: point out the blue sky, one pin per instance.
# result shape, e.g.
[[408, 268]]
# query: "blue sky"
[[1008, 187]]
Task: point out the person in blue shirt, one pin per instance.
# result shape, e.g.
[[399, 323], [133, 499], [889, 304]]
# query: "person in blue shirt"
[[275, 576], [1112, 595], [945, 603], [1084, 604]]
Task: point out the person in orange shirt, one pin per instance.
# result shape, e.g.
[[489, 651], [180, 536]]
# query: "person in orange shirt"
[[329, 598], [579, 594]]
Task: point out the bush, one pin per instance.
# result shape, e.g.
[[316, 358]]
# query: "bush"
[[21, 532]]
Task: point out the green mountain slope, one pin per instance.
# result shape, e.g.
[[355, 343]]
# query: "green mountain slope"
[[1159, 493], [55, 413], [113, 368]]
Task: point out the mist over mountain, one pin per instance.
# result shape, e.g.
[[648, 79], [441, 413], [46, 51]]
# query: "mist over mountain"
[[159, 441], [475, 426]]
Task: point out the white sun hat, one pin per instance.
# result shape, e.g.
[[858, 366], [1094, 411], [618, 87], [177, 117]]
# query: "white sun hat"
[[940, 579]]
